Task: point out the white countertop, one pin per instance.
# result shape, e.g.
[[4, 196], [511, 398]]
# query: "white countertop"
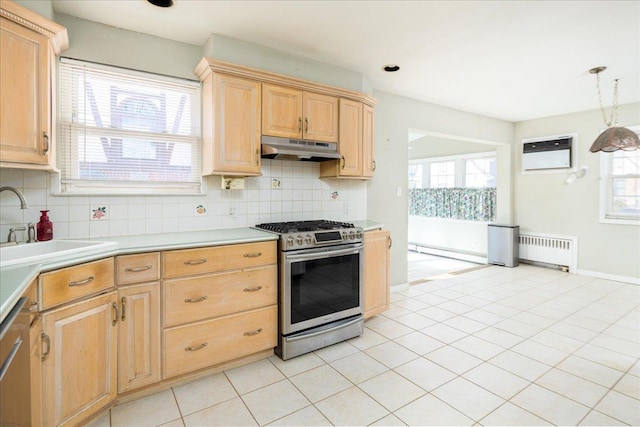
[[15, 279]]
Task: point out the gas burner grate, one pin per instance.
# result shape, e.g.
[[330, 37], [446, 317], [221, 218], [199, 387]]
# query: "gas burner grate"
[[300, 226]]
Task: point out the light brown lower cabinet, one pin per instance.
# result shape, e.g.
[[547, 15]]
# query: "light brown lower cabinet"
[[377, 245], [79, 351], [138, 336]]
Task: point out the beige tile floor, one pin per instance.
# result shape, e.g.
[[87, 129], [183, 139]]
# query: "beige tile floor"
[[423, 266], [495, 346]]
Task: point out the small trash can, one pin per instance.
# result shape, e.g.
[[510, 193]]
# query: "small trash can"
[[503, 245]]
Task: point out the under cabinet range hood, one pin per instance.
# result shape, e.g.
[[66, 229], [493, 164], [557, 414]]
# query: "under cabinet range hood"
[[298, 149]]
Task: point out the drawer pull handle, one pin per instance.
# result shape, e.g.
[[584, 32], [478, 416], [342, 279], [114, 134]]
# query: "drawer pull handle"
[[46, 140], [252, 255], [252, 333], [45, 340], [82, 282], [33, 307], [254, 289], [200, 347], [195, 262], [202, 298], [138, 269], [123, 300]]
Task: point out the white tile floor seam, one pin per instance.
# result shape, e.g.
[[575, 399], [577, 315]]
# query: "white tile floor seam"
[[524, 345]]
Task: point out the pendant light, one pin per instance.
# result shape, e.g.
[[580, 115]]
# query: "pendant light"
[[615, 137]]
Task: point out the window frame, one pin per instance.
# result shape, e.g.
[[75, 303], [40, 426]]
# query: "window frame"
[[606, 190], [459, 168], [67, 182]]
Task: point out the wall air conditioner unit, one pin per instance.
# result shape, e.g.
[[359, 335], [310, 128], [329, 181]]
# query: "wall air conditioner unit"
[[551, 154]]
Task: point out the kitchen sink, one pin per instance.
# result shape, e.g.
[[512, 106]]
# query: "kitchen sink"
[[31, 253]]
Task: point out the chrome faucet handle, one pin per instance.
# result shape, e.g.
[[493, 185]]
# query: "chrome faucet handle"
[[31, 234], [12, 233]]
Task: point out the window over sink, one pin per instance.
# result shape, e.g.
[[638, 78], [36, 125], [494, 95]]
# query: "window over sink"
[[127, 132]]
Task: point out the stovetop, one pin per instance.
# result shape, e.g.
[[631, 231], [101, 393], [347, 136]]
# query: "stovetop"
[[295, 235], [304, 226]]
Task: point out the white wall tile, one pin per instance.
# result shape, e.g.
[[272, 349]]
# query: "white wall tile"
[[302, 195]]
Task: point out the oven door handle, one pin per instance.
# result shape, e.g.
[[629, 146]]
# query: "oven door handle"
[[327, 253]]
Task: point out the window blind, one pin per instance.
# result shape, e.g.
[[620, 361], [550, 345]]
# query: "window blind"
[[127, 132]]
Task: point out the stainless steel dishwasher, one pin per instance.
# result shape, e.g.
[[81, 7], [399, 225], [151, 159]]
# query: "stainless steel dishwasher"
[[15, 377]]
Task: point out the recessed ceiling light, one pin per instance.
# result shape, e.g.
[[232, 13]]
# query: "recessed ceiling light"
[[161, 3], [391, 68]]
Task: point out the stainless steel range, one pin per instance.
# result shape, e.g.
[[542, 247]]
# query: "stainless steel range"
[[320, 287]]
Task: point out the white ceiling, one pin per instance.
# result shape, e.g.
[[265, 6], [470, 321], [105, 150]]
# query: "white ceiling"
[[513, 60]]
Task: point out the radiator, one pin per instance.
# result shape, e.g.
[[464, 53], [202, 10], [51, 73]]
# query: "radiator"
[[549, 249]]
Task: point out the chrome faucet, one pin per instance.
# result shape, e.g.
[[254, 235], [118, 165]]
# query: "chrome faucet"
[[23, 201], [11, 240]]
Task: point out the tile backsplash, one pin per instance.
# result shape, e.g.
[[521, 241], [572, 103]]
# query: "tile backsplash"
[[286, 191]]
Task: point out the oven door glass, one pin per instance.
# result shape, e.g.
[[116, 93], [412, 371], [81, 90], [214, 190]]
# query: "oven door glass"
[[321, 286]]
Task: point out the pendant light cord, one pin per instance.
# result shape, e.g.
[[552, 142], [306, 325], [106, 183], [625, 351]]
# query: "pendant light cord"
[[614, 108]]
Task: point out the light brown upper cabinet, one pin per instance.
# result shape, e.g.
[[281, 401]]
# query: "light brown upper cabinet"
[[368, 158], [292, 113], [355, 145], [28, 46], [230, 124]]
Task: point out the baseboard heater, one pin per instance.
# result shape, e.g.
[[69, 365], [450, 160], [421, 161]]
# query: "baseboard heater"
[[549, 249]]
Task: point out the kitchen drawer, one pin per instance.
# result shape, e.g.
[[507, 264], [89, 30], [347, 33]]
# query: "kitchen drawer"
[[198, 298], [67, 284], [196, 346], [208, 260], [138, 268]]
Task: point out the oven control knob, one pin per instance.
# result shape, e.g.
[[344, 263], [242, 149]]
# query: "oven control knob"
[[352, 234], [289, 241], [359, 234], [299, 240], [308, 239]]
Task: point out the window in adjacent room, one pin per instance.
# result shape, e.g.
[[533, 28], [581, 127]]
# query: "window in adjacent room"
[[127, 132], [415, 176], [480, 172], [442, 174], [620, 186], [461, 187]]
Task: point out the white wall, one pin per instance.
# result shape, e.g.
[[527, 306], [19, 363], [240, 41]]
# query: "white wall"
[[395, 115], [545, 203], [453, 235]]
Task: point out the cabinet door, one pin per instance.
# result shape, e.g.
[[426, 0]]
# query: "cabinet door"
[[350, 138], [25, 100], [138, 336], [231, 136], [376, 272], [81, 359], [281, 111], [35, 363], [368, 159], [320, 121]]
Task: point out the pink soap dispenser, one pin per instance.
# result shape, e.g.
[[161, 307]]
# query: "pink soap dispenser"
[[44, 227]]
